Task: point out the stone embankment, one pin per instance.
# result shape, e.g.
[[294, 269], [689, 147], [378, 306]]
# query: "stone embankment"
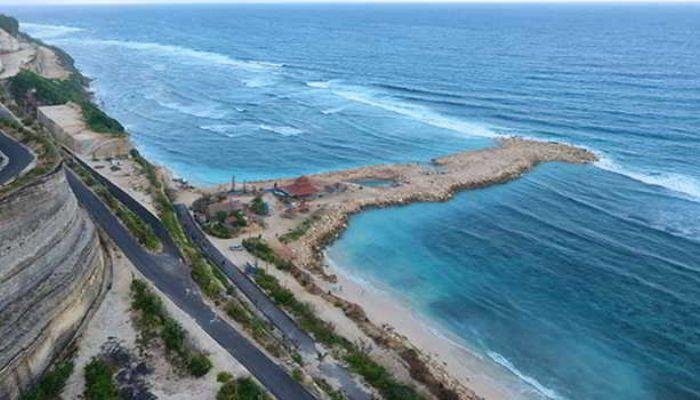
[[52, 276], [434, 182]]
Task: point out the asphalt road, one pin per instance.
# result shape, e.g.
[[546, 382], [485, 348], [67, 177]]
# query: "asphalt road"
[[172, 277], [262, 302], [136, 207], [18, 157]]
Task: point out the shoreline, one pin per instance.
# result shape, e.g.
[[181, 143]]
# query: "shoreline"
[[438, 181], [478, 372]]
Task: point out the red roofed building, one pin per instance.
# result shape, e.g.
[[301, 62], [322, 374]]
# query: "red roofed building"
[[302, 188]]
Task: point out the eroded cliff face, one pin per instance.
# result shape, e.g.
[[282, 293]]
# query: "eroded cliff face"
[[52, 275]]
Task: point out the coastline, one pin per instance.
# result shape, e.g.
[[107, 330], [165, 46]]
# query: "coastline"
[[436, 181], [380, 316], [486, 376]]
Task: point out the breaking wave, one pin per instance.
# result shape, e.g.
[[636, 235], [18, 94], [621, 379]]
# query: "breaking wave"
[[679, 183], [504, 362], [416, 112], [182, 53], [282, 130], [44, 31]]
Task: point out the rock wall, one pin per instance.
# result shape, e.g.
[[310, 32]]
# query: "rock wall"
[[52, 275]]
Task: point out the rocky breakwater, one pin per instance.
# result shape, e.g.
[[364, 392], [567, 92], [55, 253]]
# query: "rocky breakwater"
[[52, 276], [433, 182]]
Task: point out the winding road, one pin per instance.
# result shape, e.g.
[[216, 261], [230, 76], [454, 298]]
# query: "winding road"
[[262, 302], [172, 277], [14, 159]]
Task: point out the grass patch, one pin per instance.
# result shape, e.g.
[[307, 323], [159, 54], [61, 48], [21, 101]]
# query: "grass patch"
[[260, 249], [99, 383], [300, 230], [51, 384], [242, 389], [154, 322]]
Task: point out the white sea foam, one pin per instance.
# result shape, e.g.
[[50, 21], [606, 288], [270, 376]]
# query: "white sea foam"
[[319, 84], [332, 110], [282, 130], [683, 184], [416, 112], [209, 111], [44, 31], [182, 53], [545, 391], [224, 129]]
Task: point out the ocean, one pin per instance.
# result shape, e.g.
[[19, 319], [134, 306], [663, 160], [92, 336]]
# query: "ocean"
[[580, 282]]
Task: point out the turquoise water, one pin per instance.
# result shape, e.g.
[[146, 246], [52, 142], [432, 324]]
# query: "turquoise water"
[[584, 281]]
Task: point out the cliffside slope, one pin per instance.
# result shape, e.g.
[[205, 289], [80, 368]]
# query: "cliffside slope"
[[52, 275]]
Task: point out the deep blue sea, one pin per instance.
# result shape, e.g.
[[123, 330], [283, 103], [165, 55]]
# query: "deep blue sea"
[[583, 282]]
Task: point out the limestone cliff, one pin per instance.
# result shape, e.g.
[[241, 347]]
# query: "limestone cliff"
[[52, 275]]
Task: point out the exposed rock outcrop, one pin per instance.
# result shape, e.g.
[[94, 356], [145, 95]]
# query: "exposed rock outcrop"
[[52, 275]]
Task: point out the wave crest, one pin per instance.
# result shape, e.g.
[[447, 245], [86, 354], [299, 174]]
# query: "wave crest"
[[282, 130], [183, 52], [679, 183], [45, 31], [416, 112], [504, 362]]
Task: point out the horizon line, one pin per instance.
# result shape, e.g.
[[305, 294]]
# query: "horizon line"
[[30, 3]]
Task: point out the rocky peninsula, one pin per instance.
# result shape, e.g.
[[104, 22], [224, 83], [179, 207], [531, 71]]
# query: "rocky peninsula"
[[308, 213]]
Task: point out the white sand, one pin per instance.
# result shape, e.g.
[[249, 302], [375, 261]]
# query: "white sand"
[[113, 319]]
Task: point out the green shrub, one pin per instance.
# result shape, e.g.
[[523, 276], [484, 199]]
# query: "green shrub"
[[155, 321], [259, 248], [98, 381], [173, 336], [378, 377], [9, 25], [199, 364], [299, 231], [217, 229], [56, 91], [242, 389], [259, 206], [51, 384], [224, 377], [298, 375], [98, 121]]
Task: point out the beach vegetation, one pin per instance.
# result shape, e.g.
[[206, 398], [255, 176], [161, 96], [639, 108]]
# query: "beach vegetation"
[[223, 377], [154, 322], [259, 206], [260, 249], [242, 389], [51, 384], [56, 91], [99, 381], [300, 230], [359, 361]]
